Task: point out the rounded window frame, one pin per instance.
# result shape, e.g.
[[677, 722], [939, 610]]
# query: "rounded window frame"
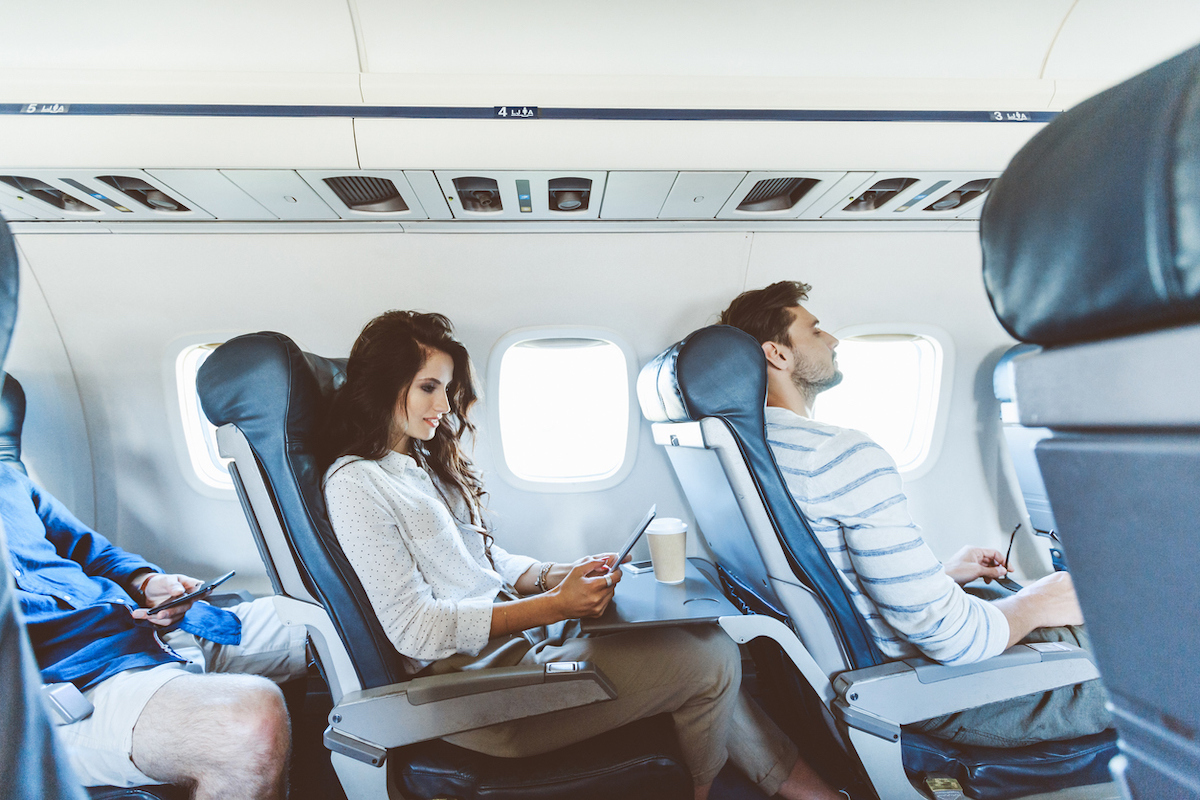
[[191, 446], [941, 391], [574, 485]]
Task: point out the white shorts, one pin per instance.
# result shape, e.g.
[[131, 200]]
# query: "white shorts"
[[100, 747]]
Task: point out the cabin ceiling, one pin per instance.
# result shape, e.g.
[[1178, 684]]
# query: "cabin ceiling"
[[244, 113]]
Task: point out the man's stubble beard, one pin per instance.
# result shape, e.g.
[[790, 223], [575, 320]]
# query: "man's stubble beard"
[[810, 385]]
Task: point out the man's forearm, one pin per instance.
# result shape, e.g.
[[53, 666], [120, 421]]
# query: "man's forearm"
[[134, 584], [1022, 617]]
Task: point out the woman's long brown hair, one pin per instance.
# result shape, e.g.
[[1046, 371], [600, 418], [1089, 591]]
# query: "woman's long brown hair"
[[385, 359]]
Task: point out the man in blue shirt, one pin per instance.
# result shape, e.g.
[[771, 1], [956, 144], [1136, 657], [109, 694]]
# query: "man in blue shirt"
[[86, 604]]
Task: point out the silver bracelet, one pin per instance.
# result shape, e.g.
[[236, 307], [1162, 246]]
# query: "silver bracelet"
[[541, 581]]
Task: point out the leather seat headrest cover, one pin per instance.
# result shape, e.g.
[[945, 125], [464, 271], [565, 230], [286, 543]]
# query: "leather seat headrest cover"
[[716, 371], [12, 419], [1093, 231], [9, 274]]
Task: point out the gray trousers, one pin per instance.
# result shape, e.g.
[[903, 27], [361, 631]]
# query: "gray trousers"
[[1064, 713], [693, 673]]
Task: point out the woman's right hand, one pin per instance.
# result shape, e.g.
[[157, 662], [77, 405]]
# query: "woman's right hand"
[[580, 594]]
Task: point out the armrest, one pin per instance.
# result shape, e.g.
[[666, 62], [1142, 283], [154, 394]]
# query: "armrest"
[[917, 688], [365, 724]]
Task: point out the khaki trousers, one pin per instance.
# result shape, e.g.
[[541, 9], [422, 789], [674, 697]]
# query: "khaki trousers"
[[694, 673]]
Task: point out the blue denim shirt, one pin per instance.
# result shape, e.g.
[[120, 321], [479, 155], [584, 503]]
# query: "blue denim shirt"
[[70, 583]]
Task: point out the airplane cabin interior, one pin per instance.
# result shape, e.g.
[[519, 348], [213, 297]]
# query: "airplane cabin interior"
[[997, 208]]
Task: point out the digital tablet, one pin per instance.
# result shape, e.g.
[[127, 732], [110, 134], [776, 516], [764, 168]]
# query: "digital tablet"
[[637, 534]]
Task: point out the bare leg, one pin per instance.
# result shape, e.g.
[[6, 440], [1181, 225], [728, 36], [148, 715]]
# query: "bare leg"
[[225, 735], [701, 792]]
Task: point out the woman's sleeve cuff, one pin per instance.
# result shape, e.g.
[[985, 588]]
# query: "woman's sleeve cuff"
[[474, 624]]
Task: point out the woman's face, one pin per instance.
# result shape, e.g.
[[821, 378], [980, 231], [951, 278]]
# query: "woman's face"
[[419, 411]]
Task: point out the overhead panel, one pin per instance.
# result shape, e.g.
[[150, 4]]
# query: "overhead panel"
[[699, 195], [10, 212], [427, 190], [30, 204], [282, 192], [958, 195], [777, 195], [511, 195], [636, 195], [214, 192], [383, 194], [906, 196], [876, 197], [108, 194]]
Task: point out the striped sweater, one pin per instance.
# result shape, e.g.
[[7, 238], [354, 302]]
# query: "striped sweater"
[[851, 492]]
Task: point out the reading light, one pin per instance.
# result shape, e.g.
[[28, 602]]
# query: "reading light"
[[480, 195], [569, 201], [569, 194], [952, 200]]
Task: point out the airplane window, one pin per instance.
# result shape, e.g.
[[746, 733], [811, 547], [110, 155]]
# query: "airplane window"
[[889, 391], [198, 432], [563, 408]]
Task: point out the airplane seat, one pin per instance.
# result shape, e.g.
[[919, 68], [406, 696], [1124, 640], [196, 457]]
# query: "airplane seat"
[[705, 397], [12, 418], [1091, 243], [1020, 442], [268, 398]]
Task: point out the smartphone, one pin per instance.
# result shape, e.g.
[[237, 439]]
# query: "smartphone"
[[202, 592]]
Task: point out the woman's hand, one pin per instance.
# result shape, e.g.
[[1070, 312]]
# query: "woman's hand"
[[587, 588], [976, 562], [160, 588]]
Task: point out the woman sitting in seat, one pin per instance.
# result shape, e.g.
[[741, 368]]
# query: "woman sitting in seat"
[[407, 509]]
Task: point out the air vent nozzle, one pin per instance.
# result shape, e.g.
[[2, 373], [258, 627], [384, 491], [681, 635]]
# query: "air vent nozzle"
[[48, 194], [879, 194], [150, 196], [570, 194], [479, 195], [364, 193], [776, 194], [962, 195]]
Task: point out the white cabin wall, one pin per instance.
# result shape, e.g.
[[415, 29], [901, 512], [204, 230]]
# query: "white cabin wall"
[[124, 302], [56, 447]]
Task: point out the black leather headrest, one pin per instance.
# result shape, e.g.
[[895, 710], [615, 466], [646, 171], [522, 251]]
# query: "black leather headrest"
[[1093, 230], [9, 274], [721, 372], [12, 417], [277, 396]]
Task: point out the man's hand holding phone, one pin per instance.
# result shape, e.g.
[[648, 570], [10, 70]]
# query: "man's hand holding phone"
[[168, 596]]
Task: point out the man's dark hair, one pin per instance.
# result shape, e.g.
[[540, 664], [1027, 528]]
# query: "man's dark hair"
[[763, 313]]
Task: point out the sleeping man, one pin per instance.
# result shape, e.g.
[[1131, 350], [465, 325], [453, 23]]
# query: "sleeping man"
[[851, 492]]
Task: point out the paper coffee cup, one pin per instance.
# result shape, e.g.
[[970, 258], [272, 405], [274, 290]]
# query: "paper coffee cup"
[[668, 545]]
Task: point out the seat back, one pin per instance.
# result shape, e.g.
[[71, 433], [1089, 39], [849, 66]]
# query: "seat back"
[[12, 418], [31, 759], [1021, 441], [1091, 244], [268, 399], [706, 396]]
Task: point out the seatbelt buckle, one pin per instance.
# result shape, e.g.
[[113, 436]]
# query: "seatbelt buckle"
[[943, 787]]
